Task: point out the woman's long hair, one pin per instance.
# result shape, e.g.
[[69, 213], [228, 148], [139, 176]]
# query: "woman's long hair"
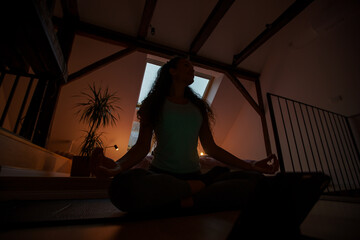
[[152, 105]]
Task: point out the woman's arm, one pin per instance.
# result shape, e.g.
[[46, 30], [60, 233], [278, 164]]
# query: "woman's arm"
[[141, 148], [268, 165], [135, 155]]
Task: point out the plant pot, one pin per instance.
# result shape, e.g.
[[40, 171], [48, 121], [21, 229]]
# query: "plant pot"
[[80, 166]]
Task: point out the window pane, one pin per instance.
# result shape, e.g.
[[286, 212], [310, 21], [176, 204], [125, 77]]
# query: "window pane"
[[199, 85], [149, 78]]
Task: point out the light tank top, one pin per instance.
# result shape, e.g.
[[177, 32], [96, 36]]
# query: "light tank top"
[[177, 138]]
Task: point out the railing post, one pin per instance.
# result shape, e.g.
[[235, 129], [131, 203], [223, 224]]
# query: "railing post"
[[276, 134], [28, 127], [48, 107], [2, 76], [263, 118], [9, 100], [353, 139], [23, 104]]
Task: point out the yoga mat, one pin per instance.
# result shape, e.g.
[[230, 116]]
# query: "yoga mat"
[[43, 212], [47, 213]]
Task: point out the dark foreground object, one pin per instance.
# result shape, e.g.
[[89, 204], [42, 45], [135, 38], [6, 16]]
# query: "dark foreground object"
[[280, 206]]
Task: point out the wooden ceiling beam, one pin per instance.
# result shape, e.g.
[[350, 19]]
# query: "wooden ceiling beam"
[[214, 18], [99, 64], [117, 38], [146, 18], [223, 67], [297, 7], [66, 33]]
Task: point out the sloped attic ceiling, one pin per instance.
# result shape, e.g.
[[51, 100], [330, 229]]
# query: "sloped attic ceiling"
[[217, 34]]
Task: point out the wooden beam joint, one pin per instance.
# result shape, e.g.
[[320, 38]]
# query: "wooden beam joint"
[[117, 38], [244, 92]]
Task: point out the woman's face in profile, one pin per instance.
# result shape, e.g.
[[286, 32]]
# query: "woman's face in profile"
[[184, 72]]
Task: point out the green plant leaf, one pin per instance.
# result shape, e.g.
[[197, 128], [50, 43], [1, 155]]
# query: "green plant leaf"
[[99, 107]]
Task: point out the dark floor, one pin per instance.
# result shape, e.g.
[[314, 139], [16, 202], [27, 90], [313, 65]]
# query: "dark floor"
[[98, 219], [334, 218]]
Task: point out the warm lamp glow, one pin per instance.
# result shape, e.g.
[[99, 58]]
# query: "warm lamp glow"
[[201, 154], [114, 146]]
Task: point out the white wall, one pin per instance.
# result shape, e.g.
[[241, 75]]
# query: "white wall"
[[123, 76], [227, 104], [315, 59], [17, 152], [318, 63], [245, 138]]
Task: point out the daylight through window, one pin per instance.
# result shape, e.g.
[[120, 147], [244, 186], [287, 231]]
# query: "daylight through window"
[[199, 85]]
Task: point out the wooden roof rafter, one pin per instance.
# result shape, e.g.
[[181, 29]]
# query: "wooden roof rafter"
[[66, 32], [99, 64], [296, 8], [212, 21], [117, 38], [149, 9]]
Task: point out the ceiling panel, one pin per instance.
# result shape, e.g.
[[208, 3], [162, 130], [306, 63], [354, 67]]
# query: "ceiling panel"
[[244, 21], [176, 23], [122, 16]]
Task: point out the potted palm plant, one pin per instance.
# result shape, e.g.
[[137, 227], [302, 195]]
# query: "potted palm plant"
[[98, 108]]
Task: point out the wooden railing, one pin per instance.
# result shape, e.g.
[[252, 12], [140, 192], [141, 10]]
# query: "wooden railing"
[[27, 105], [16, 94]]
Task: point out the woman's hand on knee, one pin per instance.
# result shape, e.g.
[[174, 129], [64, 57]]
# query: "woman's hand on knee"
[[268, 165]]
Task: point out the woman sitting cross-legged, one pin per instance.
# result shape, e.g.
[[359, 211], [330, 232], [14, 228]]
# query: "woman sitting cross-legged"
[[178, 118]]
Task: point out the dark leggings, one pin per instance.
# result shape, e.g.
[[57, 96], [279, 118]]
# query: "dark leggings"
[[139, 190]]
